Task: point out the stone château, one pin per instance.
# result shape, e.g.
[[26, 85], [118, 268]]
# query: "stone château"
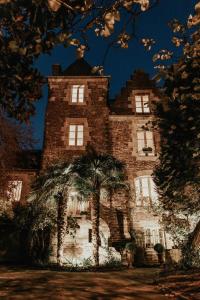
[[79, 114]]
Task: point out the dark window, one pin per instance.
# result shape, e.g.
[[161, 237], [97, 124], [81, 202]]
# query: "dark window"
[[90, 235]]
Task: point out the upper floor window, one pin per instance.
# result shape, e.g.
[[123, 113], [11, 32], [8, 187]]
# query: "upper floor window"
[[145, 191], [14, 190], [77, 93], [142, 104], [145, 143], [75, 135]]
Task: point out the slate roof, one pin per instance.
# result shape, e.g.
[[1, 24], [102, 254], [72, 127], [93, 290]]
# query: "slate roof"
[[78, 68]]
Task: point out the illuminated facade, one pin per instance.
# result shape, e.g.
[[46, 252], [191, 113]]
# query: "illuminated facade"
[[79, 114]]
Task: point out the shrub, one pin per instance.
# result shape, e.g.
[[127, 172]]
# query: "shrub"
[[159, 248]]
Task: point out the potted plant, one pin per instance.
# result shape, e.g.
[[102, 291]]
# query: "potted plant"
[[147, 150]]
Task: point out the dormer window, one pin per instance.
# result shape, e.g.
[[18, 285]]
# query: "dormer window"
[[142, 104], [77, 94], [75, 135]]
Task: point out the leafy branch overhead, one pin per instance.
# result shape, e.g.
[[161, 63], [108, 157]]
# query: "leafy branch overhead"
[[178, 173], [29, 28]]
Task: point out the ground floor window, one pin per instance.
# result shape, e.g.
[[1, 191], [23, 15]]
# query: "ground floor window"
[[14, 190], [150, 237], [153, 237]]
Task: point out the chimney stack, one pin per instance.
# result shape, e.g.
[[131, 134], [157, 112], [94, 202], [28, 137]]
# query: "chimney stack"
[[56, 70]]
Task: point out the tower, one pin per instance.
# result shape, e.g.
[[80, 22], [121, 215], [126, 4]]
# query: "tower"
[[77, 112]]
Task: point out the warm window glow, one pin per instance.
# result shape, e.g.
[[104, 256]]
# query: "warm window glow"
[[142, 103], [152, 237], [145, 143], [14, 190], [76, 135], [77, 93], [76, 204], [145, 191]]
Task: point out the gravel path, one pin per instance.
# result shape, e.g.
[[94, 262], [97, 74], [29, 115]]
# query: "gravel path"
[[23, 284]]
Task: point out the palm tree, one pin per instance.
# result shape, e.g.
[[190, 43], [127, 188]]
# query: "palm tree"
[[52, 188], [94, 172]]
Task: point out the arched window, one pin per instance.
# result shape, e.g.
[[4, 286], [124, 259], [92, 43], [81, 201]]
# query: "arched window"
[[145, 189]]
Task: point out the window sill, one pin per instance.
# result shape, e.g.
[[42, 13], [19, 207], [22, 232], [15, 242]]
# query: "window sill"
[[146, 158]]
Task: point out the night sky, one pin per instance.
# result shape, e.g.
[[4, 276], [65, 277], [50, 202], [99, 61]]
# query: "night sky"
[[120, 63]]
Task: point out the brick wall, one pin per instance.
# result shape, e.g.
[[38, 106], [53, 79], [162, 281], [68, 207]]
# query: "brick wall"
[[27, 177], [92, 113]]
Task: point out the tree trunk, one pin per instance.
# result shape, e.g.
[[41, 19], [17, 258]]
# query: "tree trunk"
[[95, 216], [61, 226], [196, 236]]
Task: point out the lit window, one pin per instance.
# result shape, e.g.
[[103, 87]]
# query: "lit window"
[[145, 191], [76, 204], [153, 236], [148, 238], [77, 93], [142, 103], [145, 143], [14, 190], [76, 135]]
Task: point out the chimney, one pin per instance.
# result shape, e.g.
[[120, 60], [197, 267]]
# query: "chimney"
[[56, 70]]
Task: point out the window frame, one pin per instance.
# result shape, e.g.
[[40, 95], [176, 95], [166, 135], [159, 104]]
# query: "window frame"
[[152, 236], [142, 101], [140, 199], [147, 144], [77, 93], [77, 137]]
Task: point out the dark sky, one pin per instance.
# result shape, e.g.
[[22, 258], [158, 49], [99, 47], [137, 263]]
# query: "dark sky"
[[120, 63]]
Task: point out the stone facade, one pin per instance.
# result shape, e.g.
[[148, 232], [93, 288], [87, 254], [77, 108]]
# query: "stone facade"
[[93, 114], [79, 115]]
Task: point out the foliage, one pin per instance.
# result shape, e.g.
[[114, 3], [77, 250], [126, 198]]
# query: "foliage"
[[119, 245], [177, 175], [53, 180], [28, 227], [94, 172], [190, 255], [51, 189], [130, 246], [14, 139], [72, 226], [30, 28], [159, 248], [113, 263]]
